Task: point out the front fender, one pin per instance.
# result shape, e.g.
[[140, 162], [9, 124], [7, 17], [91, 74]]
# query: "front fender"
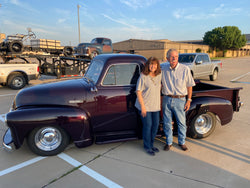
[[73, 120], [219, 106]]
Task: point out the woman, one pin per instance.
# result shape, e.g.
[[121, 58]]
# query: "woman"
[[148, 92]]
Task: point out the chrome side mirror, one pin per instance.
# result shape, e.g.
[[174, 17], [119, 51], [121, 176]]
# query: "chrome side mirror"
[[198, 62], [93, 89]]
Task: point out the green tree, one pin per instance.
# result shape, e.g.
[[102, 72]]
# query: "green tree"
[[225, 38], [198, 50]]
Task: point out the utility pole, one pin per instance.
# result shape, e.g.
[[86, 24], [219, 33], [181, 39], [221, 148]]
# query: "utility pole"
[[78, 6], [0, 23]]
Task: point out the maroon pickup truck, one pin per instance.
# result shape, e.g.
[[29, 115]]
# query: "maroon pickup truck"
[[100, 108]]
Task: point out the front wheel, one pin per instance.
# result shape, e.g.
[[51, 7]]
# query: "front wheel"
[[203, 125], [48, 140], [93, 54], [214, 76]]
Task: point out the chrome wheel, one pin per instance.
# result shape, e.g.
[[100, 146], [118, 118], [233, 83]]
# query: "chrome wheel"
[[48, 138], [203, 124]]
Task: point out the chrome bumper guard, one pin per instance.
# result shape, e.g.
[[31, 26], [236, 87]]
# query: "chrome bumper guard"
[[8, 143]]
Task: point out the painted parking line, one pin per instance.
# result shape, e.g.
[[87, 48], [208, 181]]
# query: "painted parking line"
[[7, 95], [2, 117], [95, 175], [239, 77], [24, 164]]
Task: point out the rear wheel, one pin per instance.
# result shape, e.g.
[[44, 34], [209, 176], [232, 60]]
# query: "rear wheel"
[[203, 125], [214, 76], [48, 140], [16, 81]]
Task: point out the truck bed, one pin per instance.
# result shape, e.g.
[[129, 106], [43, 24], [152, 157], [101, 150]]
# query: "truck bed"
[[209, 90]]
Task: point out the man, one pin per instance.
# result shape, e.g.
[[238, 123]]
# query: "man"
[[177, 83]]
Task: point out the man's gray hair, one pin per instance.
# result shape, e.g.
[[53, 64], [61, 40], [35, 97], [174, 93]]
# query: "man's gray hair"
[[170, 51]]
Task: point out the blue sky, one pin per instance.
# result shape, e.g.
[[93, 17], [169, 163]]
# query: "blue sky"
[[122, 19]]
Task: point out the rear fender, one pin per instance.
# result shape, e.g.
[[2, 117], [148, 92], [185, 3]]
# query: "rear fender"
[[218, 106], [73, 120]]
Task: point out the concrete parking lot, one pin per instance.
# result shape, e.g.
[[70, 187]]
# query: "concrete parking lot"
[[220, 160]]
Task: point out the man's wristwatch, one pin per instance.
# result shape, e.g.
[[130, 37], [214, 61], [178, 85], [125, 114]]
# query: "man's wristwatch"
[[189, 100]]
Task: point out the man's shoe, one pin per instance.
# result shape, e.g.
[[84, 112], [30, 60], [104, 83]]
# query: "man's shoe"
[[150, 152], [183, 147], [167, 147], [155, 149]]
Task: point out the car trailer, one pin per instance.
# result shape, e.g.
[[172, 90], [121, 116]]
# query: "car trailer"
[[53, 65], [64, 66]]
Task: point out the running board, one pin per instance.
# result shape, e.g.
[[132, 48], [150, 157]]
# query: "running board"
[[110, 137]]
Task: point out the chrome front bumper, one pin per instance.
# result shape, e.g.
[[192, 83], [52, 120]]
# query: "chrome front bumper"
[[8, 143]]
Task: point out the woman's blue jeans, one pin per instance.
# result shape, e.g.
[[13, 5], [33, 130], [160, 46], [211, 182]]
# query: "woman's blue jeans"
[[150, 128], [170, 107]]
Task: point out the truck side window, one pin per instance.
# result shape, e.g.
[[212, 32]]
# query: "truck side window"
[[106, 42], [205, 58], [110, 77], [198, 59], [124, 74]]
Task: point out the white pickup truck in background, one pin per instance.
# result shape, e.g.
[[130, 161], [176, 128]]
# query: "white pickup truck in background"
[[201, 65], [16, 76]]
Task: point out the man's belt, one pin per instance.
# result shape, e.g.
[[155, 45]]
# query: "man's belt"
[[176, 96]]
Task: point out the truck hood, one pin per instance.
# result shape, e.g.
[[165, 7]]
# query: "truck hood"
[[63, 93], [90, 45], [187, 64]]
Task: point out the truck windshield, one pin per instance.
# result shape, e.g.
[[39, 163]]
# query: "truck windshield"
[[97, 40], [186, 58], [94, 70]]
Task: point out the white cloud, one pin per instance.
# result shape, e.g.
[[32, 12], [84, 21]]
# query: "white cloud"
[[118, 21], [220, 8], [21, 28], [195, 13], [23, 5], [62, 12], [178, 13], [135, 4], [61, 20], [124, 32]]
